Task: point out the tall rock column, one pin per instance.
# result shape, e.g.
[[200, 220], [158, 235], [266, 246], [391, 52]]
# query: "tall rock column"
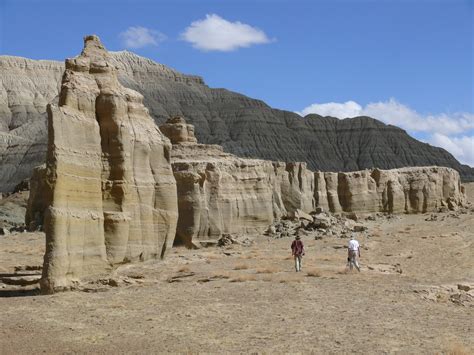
[[112, 195]]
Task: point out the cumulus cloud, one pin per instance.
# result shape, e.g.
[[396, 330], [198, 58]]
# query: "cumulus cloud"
[[393, 112], [217, 34], [461, 147], [451, 131], [138, 37], [334, 109]]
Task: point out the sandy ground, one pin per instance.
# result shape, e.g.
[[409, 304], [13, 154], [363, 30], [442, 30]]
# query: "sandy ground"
[[249, 298]]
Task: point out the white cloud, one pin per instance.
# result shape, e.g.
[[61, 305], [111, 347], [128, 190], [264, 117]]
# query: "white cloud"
[[138, 37], [217, 34], [461, 147], [334, 109], [395, 113], [451, 131]]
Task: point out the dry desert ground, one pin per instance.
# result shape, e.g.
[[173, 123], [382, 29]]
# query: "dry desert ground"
[[413, 296]]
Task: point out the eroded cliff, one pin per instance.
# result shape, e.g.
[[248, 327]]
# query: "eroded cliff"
[[108, 188], [222, 193], [242, 125]]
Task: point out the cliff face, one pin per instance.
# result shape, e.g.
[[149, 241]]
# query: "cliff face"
[[222, 193], [26, 87], [108, 188], [243, 126]]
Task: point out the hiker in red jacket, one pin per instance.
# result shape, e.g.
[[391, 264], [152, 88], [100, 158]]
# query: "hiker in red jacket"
[[297, 250]]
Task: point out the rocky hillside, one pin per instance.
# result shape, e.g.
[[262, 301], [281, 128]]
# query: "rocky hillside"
[[243, 126]]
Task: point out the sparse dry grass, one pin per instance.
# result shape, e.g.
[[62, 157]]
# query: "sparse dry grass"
[[289, 279], [220, 275], [313, 273], [184, 269], [212, 257], [246, 256], [457, 349], [267, 270], [241, 267], [243, 278], [333, 257], [212, 283]]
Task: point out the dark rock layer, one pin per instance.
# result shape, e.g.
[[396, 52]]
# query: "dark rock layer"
[[243, 126]]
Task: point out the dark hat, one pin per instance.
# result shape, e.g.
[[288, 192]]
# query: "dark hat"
[[297, 237]]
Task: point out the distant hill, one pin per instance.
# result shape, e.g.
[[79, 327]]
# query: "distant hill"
[[242, 125]]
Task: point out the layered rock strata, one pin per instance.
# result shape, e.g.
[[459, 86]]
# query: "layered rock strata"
[[108, 185], [220, 193], [217, 192], [243, 126]]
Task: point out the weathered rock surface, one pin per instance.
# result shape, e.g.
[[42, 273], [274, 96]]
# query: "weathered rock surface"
[[26, 87], [221, 193], [178, 131], [108, 185], [243, 126]]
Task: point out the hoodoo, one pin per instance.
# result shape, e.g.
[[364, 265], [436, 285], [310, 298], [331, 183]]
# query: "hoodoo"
[[111, 194]]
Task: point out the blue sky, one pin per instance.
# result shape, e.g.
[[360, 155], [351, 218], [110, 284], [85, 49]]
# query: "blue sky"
[[408, 61]]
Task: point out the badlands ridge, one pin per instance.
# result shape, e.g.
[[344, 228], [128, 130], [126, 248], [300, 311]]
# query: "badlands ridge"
[[244, 126], [116, 189]]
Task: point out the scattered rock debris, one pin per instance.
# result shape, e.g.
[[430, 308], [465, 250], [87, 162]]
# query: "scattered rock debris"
[[322, 225], [229, 239]]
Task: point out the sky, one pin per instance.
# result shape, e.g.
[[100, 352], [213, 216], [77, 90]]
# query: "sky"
[[405, 62]]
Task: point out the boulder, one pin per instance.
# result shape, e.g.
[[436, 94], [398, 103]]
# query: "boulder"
[[359, 228], [322, 221], [352, 215], [349, 224], [298, 214], [318, 210], [465, 287], [452, 204]]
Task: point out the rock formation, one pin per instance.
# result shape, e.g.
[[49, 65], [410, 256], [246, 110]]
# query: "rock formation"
[[178, 131], [108, 185], [26, 87], [221, 193], [218, 192], [243, 126]]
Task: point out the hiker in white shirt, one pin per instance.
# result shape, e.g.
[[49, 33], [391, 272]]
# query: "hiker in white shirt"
[[353, 250]]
